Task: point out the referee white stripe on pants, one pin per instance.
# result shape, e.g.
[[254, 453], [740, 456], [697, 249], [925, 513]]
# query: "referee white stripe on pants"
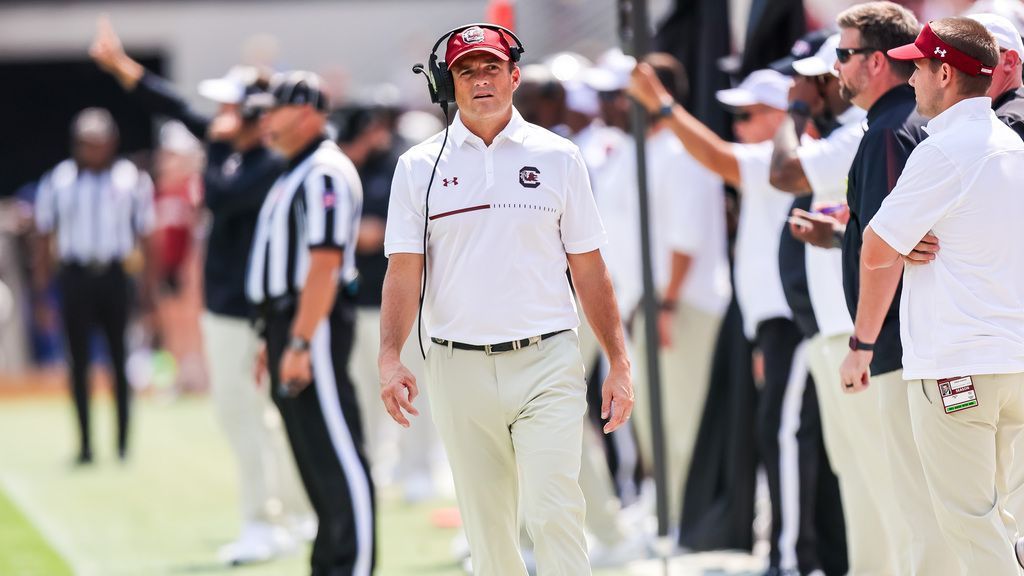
[[325, 432], [512, 424]]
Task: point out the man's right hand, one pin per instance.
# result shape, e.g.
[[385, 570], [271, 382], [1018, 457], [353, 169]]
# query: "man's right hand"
[[398, 389], [813, 228], [109, 55]]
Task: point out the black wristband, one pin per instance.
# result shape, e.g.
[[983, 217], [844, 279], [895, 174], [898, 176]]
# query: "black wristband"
[[856, 345]]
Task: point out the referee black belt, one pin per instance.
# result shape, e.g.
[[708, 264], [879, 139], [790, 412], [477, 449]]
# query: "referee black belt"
[[498, 348]]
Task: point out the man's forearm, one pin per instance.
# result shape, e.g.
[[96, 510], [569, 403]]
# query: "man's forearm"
[[677, 276], [399, 302], [594, 288], [787, 173], [877, 289], [318, 294], [704, 145]]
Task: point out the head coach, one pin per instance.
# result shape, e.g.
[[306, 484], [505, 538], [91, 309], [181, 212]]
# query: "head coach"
[[511, 209], [962, 322]]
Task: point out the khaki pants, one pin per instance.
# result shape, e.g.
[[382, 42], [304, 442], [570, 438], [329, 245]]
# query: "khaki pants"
[[967, 456], [268, 482], [685, 377], [393, 454], [852, 427], [928, 548], [512, 425]]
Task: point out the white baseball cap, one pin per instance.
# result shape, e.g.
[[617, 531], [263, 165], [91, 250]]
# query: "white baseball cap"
[[1012, 10], [611, 73], [232, 87], [766, 87], [1006, 35], [822, 62]]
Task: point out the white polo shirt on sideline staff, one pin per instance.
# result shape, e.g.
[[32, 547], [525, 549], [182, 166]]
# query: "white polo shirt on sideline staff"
[[962, 314], [502, 219], [764, 210], [687, 215], [826, 164]]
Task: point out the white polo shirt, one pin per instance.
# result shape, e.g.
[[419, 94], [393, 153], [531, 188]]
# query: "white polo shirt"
[[764, 210], [687, 215], [962, 314], [502, 219], [826, 164]]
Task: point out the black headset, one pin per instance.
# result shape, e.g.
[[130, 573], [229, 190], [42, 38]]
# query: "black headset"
[[439, 79], [442, 91]]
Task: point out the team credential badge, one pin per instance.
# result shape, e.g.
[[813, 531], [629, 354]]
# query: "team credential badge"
[[473, 35], [529, 177], [957, 394]]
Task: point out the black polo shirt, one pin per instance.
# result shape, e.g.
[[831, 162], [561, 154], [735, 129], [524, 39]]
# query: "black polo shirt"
[[376, 176], [234, 186], [1009, 108], [894, 130]]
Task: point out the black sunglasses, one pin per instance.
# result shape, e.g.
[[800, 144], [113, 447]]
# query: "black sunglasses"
[[844, 54], [742, 115]]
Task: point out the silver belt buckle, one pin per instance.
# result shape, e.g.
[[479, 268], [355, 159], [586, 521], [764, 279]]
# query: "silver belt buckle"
[[487, 350]]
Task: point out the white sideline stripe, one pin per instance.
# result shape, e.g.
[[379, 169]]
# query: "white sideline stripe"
[[789, 457], [344, 447], [47, 529]]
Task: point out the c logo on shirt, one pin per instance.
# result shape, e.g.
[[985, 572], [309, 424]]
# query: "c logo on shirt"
[[529, 177]]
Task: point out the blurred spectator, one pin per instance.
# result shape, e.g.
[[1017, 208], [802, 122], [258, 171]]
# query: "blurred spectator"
[[95, 206]]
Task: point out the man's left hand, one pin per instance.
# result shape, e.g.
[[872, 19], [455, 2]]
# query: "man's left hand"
[[616, 398], [296, 372]]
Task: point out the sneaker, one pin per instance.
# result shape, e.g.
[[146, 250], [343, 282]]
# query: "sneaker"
[[1018, 547], [303, 528], [258, 542], [630, 549]]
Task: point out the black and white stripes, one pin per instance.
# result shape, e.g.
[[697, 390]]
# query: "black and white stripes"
[[96, 216], [314, 205]]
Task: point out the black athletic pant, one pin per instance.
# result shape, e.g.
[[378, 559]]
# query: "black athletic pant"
[[325, 432], [802, 488], [96, 296]]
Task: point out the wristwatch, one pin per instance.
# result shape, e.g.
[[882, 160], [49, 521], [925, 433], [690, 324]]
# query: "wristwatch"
[[665, 110], [298, 344], [856, 344]]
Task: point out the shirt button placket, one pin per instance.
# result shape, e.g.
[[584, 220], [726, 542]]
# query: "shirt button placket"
[[489, 165]]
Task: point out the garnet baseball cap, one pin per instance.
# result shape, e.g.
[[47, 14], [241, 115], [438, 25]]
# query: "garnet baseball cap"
[[766, 87], [929, 45], [807, 45], [476, 39], [823, 62], [1005, 33], [292, 89]]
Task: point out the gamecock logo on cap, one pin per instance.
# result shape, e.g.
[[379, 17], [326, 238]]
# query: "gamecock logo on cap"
[[473, 35]]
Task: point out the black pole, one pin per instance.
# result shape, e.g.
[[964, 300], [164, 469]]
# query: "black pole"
[[633, 28]]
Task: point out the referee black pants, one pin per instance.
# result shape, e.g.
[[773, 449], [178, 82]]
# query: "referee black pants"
[[326, 436], [96, 297], [808, 531]]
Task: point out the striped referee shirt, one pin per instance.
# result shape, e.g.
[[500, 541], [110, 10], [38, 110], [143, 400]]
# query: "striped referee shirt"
[[96, 216], [315, 204]]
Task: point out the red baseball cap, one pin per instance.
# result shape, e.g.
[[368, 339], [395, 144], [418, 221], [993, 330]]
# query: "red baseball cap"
[[477, 39], [929, 45]]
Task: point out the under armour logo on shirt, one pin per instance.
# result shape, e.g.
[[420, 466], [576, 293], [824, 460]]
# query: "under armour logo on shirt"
[[454, 181], [940, 52]]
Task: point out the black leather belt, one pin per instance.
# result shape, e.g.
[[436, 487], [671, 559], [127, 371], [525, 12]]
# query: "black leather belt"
[[498, 348]]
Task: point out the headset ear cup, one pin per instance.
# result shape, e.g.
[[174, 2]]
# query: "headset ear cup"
[[446, 85], [434, 84]]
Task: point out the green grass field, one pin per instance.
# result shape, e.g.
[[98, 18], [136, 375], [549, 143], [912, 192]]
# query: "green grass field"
[[167, 510]]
